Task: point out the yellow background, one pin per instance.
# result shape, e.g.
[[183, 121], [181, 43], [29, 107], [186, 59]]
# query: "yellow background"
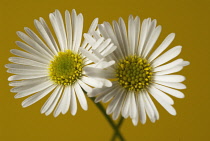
[[189, 19]]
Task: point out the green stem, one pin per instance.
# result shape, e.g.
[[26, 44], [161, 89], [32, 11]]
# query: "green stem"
[[111, 122], [118, 126]]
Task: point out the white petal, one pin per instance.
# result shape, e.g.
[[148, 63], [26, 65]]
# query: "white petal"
[[144, 28], [142, 113], [118, 108], [55, 101], [73, 103], [28, 81], [162, 46], [34, 89], [133, 108], [28, 56], [67, 100], [23, 67], [170, 78], [98, 91], [152, 105], [46, 37], [85, 86], [92, 82], [34, 44], [24, 61], [126, 105], [162, 102], [169, 65], [28, 72], [68, 29], [81, 96], [152, 41], [169, 71], [97, 72], [36, 97], [89, 55], [175, 85], [148, 108], [161, 94], [170, 91], [112, 105], [49, 33], [20, 77], [62, 103], [185, 63], [31, 50], [167, 56], [50, 100]]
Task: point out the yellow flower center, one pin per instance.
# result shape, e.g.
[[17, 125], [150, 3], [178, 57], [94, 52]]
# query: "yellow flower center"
[[66, 68], [134, 73]]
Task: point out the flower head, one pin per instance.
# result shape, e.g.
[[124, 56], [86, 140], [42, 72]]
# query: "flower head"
[[139, 73], [55, 66]]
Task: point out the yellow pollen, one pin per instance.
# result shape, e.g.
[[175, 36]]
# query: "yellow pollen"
[[66, 68], [134, 73]]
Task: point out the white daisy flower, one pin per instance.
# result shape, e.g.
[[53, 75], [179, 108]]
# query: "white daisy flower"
[[47, 67], [139, 73]]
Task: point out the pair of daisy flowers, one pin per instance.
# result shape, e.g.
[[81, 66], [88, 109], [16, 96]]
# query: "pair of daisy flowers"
[[111, 63]]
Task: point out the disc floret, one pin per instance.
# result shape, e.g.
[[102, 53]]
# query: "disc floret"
[[66, 68], [134, 73]]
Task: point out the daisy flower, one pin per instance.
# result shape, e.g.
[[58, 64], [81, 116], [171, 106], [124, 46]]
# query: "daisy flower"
[[55, 66], [139, 72]]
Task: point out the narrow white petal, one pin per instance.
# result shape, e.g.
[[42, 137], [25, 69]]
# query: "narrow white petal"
[[87, 88], [167, 56], [126, 105], [169, 71], [148, 108], [49, 33], [133, 110], [161, 94], [36, 97], [34, 89], [54, 102], [152, 41], [162, 46], [62, 103], [28, 81], [152, 105], [24, 61], [175, 85], [118, 108], [97, 72], [89, 55], [27, 72], [170, 78], [23, 67], [68, 29], [31, 50], [67, 100], [162, 102], [50, 100], [112, 105], [20, 77], [169, 65], [185, 63], [170, 91], [34, 44], [92, 82], [81, 96], [142, 112], [143, 34], [73, 103], [46, 38], [28, 56]]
